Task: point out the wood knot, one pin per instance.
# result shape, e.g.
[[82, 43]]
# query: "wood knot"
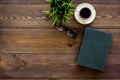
[[20, 62]]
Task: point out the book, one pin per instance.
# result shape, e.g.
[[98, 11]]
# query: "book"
[[94, 49]]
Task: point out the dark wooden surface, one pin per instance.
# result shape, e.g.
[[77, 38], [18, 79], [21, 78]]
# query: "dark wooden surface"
[[30, 49]]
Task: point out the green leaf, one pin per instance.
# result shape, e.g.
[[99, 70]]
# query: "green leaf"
[[60, 11]]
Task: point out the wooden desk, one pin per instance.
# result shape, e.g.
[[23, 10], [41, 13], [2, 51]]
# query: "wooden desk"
[[30, 49]]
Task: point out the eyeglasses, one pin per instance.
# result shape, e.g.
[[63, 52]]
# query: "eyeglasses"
[[68, 31]]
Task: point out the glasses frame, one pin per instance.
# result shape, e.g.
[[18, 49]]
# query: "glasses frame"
[[67, 30]]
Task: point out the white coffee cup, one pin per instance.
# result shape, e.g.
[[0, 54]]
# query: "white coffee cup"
[[85, 13]]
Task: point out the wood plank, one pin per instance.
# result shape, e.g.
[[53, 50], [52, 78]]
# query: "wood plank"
[[32, 16], [43, 1], [22, 79], [23, 16], [57, 79], [35, 40], [53, 66], [49, 59], [88, 79], [46, 41], [116, 15], [22, 1]]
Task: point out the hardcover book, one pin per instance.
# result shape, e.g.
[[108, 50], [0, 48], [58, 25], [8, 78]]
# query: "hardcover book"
[[94, 49]]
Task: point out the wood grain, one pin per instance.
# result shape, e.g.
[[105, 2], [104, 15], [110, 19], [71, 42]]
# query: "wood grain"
[[30, 50], [57, 79], [43, 1], [46, 41], [49, 59], [33, 16], [24, 79], [53, 66], [88, 79]]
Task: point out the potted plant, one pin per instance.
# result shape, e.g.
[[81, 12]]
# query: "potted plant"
[[60, 11]]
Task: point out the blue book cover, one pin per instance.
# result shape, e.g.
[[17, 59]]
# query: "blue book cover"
[[94, 49]]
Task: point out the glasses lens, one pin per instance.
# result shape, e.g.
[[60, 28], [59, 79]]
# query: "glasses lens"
[[71, 34], [59, 28]]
